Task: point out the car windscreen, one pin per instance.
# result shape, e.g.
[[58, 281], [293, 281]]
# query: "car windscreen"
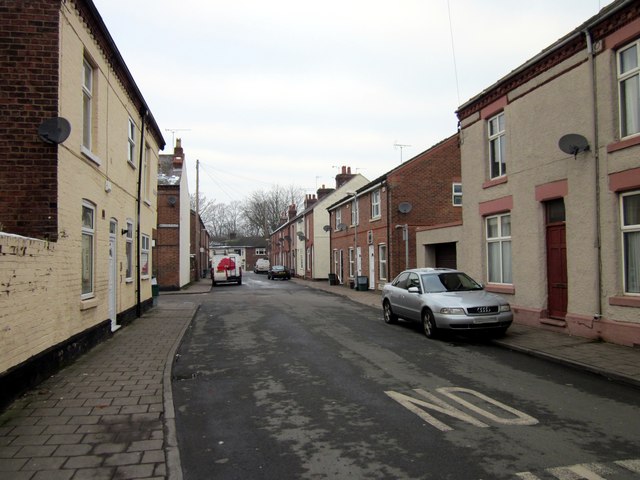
[[449, 282], [277, 268]]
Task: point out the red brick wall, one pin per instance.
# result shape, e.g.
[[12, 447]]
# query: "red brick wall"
[[29, 67], [168, 240], [426, 183]]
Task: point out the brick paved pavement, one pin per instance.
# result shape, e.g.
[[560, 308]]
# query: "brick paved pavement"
[[108, 415]]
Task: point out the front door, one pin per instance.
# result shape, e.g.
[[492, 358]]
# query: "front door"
[[113, 274], [556, 260]]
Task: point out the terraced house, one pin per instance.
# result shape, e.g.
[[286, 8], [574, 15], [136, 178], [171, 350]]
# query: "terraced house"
[[79, 152], [551, 174]]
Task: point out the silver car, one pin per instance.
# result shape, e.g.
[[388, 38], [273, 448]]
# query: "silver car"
[[444, 299]]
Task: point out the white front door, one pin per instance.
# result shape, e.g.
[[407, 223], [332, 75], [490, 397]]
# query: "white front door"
[[359, 261], [113, 274], [372, 268]]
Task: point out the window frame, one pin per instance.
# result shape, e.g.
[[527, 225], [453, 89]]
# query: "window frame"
[[352, 263], [131, 142], [355, 212], [625, 230], [129, 252], [622, 78], [497, 138], [145, 244], [338, 217], [382, 261], [501, 240], [456, 194], [88, 74], [88, 258], [376, 211]]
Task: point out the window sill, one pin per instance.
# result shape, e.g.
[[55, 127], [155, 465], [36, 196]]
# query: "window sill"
[[622, 144], [131, 164], [375, 219], [147, 202], [621, 301], [90, 155], [88, 303], [500, 288], [145, 277], [495, 181], [128, 280]]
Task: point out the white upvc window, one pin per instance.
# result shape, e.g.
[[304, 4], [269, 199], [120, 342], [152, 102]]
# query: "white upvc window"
[[144, 256], [352, 264], [629, 89], [131, 142], [129, 251], [87, 104], [338, 217], [355, 214], [375, 204], [499, 249], [497, 166], [261, 251], [382, 261], [456, 194], [88, 248], [630, 222]]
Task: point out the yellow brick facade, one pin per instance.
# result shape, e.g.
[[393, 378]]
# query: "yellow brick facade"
[[40, 282]]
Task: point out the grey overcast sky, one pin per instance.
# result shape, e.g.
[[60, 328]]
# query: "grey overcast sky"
[[287, 91]]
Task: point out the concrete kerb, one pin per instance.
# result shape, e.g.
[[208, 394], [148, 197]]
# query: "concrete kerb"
[[172, 452]]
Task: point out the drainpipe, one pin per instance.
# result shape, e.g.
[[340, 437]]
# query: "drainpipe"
[[143, 114], [596, 155]]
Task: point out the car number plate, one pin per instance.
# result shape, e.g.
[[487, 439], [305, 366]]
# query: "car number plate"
[[485, 320]]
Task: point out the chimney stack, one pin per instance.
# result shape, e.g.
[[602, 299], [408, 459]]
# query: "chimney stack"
[[309, 201], [323, 192], [343, 177], [178, 154], [292, 212]]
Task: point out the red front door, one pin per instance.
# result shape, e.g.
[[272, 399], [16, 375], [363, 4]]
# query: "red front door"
[[557, 270]]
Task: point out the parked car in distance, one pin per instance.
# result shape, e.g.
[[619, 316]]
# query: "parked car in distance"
[[279, 271], [444, 299], [261, 266]]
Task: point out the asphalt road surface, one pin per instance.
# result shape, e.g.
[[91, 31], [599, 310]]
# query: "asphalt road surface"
[[275, 380]]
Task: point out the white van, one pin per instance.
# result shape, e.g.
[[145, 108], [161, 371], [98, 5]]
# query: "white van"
[[262, 266], [226, 269]]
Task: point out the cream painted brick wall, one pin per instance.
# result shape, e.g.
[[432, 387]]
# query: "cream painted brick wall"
[[40, 283]]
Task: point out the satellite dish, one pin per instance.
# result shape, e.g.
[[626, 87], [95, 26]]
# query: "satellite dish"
[[341, 227], [54, 130], [172, 200], [573, 144], [404, 207], [326, 228]]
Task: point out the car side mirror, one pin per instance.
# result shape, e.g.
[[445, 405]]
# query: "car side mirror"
[[413, 290]]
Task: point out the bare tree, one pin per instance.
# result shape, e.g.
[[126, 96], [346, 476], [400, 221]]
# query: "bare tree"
[[264, 208]]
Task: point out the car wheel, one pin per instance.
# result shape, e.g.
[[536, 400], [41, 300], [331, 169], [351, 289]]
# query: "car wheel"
[[389, 316], [429, 324]]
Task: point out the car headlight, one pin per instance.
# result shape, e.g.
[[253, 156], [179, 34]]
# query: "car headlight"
[[505, 308], [452, 311]]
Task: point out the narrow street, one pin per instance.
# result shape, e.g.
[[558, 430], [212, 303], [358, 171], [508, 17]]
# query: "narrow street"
[[275, 380]]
